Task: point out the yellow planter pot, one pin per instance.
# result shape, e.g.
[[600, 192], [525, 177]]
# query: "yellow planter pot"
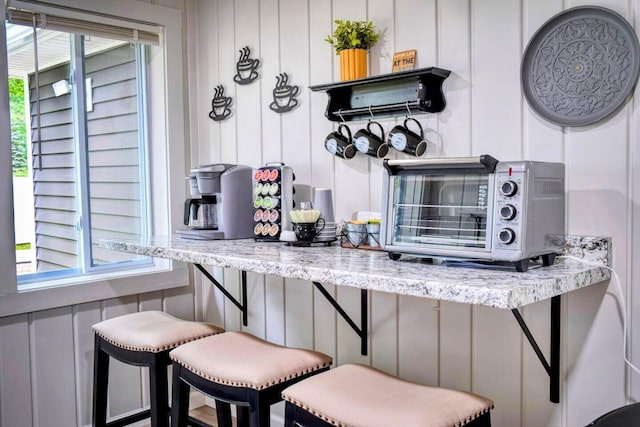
[[353, 64]]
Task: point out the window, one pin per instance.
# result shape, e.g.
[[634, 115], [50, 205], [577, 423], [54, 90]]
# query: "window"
[[80, 144], [121, 65]]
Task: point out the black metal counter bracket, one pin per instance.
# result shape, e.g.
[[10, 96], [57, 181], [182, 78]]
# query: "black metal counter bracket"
[[553, 366], [362, 332], [242, 306]]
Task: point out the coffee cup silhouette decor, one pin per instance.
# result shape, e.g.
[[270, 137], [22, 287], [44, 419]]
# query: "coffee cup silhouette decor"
[[220, 105], [284, 95], [246, 67]]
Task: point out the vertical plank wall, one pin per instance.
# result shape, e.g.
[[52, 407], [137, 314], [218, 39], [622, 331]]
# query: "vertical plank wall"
[[427, 341], [46, 358]]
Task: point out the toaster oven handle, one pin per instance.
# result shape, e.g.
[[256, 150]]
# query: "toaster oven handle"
[[484, 161]]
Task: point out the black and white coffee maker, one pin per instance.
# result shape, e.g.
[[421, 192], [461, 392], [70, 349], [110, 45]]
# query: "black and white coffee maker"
[[218, 207]]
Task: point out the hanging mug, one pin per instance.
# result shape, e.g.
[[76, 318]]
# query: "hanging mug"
[[403, 139], [369, 143], [339, 144]]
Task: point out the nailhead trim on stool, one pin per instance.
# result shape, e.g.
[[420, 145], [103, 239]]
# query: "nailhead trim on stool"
[[358, 395], [141, 339], [239, 368]]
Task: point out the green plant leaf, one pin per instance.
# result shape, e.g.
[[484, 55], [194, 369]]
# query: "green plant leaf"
[[352, 35]]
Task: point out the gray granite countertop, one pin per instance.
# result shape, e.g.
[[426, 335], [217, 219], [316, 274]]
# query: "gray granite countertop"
[[367, 269]]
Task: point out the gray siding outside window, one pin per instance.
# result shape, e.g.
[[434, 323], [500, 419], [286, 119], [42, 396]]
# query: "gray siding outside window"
[[113, 161]]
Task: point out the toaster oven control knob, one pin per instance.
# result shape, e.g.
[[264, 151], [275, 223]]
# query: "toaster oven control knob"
[[506, 236], [509, 188], [508, 212]]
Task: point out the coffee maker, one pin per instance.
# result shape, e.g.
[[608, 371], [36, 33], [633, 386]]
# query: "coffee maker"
[[218, 209]]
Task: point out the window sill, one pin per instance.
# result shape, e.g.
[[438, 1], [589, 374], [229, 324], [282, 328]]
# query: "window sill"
[[98, 287]]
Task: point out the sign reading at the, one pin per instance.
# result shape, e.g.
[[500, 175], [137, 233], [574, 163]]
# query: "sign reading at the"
[[403, 61]]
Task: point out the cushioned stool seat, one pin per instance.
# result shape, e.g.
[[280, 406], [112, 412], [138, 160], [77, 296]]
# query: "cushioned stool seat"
[[357, 395], [141, 339], [238, 368]]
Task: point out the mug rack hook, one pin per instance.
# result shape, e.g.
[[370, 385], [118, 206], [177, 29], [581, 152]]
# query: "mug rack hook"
[[340, 115], [408, 109], [370, 113]]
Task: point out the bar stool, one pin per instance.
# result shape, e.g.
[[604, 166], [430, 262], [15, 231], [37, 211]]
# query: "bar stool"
[[141, 339], [241, 369], [357, 395]]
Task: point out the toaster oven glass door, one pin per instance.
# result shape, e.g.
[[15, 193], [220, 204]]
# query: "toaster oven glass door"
[[446, 210]]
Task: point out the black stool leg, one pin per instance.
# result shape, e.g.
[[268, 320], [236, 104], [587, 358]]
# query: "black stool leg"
[[259, 412], [242, 416], [100, 384], [180, 399], [223, 413], [158, 385]]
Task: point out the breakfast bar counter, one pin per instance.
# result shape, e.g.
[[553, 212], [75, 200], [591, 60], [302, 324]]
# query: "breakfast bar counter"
[[500, 287], [585, 263]]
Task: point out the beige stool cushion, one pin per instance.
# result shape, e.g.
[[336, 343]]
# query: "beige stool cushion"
[[357, 395], [152, 331], [239, 359]]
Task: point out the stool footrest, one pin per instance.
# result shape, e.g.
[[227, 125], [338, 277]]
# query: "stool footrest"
[[194, 422], [129, 419]]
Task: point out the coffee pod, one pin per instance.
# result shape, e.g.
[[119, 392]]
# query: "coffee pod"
[[403, 139], [369, 143], [339, 143]]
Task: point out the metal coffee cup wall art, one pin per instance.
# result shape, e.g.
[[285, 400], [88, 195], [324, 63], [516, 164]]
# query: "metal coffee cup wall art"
[[246, 67], [220, 105], [284, 95]]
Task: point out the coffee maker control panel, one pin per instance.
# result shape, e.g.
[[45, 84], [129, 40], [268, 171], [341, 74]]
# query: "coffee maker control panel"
[[272, 201]]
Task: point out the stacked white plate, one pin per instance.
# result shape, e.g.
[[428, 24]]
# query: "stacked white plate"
[[328, 233]]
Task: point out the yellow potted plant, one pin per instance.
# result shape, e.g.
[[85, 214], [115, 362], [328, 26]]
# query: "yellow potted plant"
[[351, 40]]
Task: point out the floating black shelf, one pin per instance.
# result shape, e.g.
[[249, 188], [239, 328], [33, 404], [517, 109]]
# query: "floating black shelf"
[[415, 91]]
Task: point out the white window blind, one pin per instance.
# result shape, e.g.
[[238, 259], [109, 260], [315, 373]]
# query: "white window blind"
[[22, 13]]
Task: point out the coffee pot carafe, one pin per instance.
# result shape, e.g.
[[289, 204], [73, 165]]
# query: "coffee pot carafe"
[[220, 207], [201, 213]]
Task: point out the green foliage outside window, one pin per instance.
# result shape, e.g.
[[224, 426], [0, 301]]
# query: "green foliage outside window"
[[18, 128]]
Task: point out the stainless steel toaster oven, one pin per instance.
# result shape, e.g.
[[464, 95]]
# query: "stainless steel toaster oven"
[[474, 208]]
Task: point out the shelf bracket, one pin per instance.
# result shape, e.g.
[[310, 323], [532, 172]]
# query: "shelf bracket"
[[553, 365], [362, 331], [241, 305]]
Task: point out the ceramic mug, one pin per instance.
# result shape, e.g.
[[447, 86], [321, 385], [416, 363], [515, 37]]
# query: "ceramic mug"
[[307, 231], [369, 143], [339, 144], [403, 139]]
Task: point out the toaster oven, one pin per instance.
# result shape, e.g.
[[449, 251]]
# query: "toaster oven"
[[474, 208]]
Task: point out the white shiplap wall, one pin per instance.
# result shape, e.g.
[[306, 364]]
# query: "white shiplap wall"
[[435, 343], [46, 356], [46, 361]]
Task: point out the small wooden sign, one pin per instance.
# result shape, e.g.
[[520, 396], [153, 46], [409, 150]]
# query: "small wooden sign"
[[403, 61]]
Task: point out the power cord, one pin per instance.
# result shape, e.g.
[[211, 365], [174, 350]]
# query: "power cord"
[[623, 304]]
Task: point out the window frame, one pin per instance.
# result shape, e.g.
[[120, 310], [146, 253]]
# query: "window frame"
[[166, 184]]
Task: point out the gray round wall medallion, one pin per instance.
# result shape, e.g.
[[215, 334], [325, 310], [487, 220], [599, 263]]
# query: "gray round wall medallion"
[[580, 66]]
